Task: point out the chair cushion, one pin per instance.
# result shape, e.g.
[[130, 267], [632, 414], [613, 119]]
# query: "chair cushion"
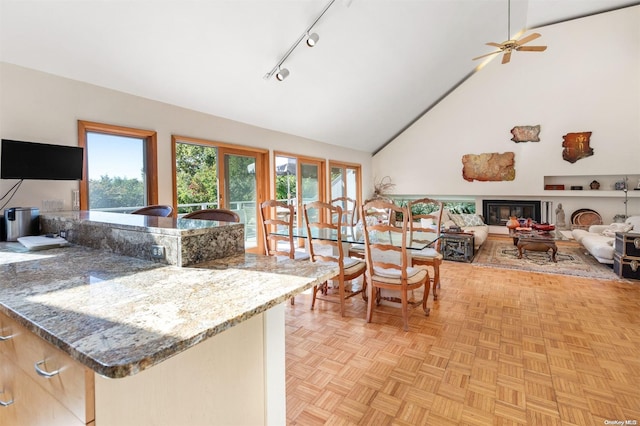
[[392, 276], [355, 267], [426, 253], [298, 255], [348, 262]]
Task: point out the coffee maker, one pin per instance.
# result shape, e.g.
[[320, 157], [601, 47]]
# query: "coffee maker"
[[20, 222]]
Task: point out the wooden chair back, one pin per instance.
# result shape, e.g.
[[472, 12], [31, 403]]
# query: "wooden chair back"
[[159, 210], [349, 210], [277, 215], [222, 215], [425, 220]]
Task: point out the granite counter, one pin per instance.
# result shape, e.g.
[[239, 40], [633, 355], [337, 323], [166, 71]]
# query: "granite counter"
[[119, 315]]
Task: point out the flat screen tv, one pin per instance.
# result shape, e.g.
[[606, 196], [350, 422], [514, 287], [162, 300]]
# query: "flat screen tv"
[[31, 160]]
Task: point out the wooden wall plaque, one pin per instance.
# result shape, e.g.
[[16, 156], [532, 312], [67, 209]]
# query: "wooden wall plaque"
[[489, 166], [576, 146]]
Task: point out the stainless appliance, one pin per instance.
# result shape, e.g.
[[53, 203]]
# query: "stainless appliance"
[[21, 221]]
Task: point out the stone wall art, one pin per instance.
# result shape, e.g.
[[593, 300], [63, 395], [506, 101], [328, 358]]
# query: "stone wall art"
[[526, 134], [576, 146], [489, 166]]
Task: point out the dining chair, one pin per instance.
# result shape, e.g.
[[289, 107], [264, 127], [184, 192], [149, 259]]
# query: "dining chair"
[[324, 235], [278, 215], [222, 215], [425, 222], [159, 210], [349, 210], [374, 215], [388, 262]]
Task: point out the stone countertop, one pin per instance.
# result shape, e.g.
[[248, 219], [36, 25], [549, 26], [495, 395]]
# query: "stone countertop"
[[119, 315], [151, 224]]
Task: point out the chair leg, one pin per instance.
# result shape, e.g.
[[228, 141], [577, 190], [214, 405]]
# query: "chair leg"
[[371, 295], [341, 293], [365, 296], [436, 279], [313, 298], [405, 310], [425, 296]]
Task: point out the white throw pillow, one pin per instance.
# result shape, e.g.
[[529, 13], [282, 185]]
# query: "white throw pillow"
[[426, 222], [611, 230], [634, 221]]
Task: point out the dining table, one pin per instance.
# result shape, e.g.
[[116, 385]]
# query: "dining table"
[[353, 236]]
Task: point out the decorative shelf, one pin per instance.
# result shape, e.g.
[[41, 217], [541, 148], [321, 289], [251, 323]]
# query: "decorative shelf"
[[607, 185], [590, 193]]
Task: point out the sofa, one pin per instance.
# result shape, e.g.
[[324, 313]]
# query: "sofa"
[[468, 222], [599, 240]]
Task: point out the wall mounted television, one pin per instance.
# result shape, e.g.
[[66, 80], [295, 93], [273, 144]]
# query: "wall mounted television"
[[32, 160]]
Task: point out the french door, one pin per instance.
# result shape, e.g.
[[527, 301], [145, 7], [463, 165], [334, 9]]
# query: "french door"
[[209, 174], [298, 181]]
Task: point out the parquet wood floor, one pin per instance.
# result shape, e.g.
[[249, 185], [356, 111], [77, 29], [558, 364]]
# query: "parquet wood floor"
[[500, 347]]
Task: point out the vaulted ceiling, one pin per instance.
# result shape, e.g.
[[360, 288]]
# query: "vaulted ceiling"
[[378, 65]]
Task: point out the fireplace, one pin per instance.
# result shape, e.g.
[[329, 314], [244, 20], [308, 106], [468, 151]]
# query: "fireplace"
[[498, 212]]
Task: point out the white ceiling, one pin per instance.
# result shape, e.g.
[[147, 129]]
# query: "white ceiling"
[[378, 66]]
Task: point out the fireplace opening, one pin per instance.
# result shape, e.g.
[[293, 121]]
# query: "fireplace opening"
[[498, 212]]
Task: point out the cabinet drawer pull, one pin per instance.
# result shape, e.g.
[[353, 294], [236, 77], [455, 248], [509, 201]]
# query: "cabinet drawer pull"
[[44, 373], [5, 403]]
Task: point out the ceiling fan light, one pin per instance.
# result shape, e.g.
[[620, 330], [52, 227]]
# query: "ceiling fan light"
[[312, 39], [282, 74]]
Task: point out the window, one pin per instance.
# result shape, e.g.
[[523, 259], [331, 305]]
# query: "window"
[[120, 169]]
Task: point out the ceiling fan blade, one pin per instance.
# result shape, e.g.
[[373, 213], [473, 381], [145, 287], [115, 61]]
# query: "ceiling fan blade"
[[498, 45], [528, 38], [488, 54], [532, 48], [507, 57]]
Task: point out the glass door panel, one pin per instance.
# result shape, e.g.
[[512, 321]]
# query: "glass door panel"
[[310, 186], [196, 177], [239, 195]]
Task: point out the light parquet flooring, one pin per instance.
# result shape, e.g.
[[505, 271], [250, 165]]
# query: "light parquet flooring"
[[500, 347]]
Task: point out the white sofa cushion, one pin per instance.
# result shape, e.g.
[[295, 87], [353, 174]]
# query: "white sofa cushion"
[[599, 246], [480, 234]]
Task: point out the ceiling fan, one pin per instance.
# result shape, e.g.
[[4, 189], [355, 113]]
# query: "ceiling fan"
[[510, 45]]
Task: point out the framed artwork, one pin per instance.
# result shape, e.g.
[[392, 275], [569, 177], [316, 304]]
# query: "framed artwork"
[[576, 146], [526, 134]]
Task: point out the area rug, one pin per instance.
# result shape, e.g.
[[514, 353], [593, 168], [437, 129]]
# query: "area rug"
[[572, 260]]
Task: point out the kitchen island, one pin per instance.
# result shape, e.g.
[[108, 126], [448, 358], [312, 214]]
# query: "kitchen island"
[[159, 344]]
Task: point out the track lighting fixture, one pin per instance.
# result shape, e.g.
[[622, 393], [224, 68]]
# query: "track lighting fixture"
[[312, 39], [282, 74]]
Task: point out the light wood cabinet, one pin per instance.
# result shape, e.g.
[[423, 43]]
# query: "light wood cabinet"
[[65, 397]]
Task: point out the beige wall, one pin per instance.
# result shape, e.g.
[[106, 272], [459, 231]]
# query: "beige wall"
[[587, 80], [40, 107]]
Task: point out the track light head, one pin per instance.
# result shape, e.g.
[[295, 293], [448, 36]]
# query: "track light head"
[[312, 39], [282, 74]]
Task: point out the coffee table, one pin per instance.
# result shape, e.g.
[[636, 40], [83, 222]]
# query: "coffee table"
[[536, 241]]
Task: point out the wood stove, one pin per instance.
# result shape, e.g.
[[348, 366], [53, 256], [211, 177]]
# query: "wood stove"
[[498, 212]]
